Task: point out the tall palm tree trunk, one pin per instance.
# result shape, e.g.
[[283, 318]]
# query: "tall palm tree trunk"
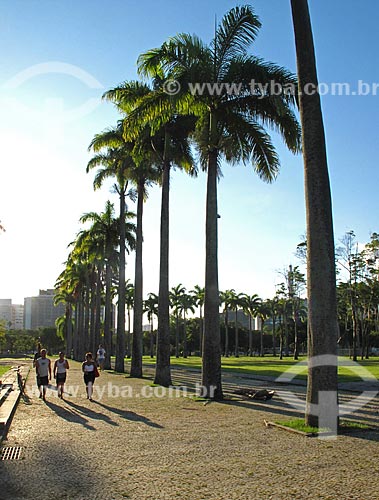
[[75, 339], [93, 312], [81, 327], [108, 317], [321, 279], [211, 367], [98, 307], [136, 363], [86, 318], [120, 337], [162, 368], [69, 332], [128, 337]]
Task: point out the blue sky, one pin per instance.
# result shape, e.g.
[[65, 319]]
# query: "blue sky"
[[57, 59]]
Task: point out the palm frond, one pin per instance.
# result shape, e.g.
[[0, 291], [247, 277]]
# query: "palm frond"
[[173, 57], [263, 155], [127, 95], [236, 31], [101, 176], [98, 160], [109, 138], [245, 140]]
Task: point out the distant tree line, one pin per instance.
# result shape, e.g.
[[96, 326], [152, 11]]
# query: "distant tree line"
[[24, 342]]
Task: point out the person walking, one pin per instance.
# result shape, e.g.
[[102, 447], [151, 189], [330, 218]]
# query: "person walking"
[[43, 366], [60, 373], [89, 369], [37, 355], [100, 357]]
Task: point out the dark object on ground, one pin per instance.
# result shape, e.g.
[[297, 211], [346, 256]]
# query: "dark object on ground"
[[261, 395]]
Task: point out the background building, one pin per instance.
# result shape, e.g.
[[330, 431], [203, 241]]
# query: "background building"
[[6, 312], [40, 311], [17, 317], [12, 314]]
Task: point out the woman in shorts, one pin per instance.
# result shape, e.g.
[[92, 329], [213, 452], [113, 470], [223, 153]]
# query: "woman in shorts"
[[60, 372], [89, 368]]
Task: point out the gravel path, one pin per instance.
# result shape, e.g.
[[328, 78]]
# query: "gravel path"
[[138, 447]]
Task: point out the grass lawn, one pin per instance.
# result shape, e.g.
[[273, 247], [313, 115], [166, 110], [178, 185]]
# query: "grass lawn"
[[299, 424], [3, 369], [273, 367]]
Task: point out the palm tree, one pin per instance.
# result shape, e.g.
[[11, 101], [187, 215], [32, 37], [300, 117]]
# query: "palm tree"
[[116, 162], [134, 164], [226, 298], [176, 294], [73, 279], [250, 305], [129, 302], [321, 278], [230, 126], [169, 142], [187, 303], [65, 294], [236, 301], [104, 231], [198, 295], [94, 260], [91, 246], [66, 285], [151, 307], [142, 175]]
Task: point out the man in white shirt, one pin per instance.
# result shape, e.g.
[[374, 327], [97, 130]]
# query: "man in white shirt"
[[43, 366], [100, 357]]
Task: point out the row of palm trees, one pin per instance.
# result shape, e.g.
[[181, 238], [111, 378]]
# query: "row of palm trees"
[[281, 311], [158, 131], [90, 280], [183, 303]]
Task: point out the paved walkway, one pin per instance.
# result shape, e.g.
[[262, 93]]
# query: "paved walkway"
[[138, 443]]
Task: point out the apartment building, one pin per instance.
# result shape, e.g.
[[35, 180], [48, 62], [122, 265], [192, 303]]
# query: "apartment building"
[[6, 312], [17, 317], [40, 311]]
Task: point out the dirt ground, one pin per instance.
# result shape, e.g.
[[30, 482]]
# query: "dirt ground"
[[135, 441]]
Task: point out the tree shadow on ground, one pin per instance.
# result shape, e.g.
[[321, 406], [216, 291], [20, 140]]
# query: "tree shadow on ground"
[[364, 434], [67, 475], [130, 415], [91, 413], [274, 406]]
